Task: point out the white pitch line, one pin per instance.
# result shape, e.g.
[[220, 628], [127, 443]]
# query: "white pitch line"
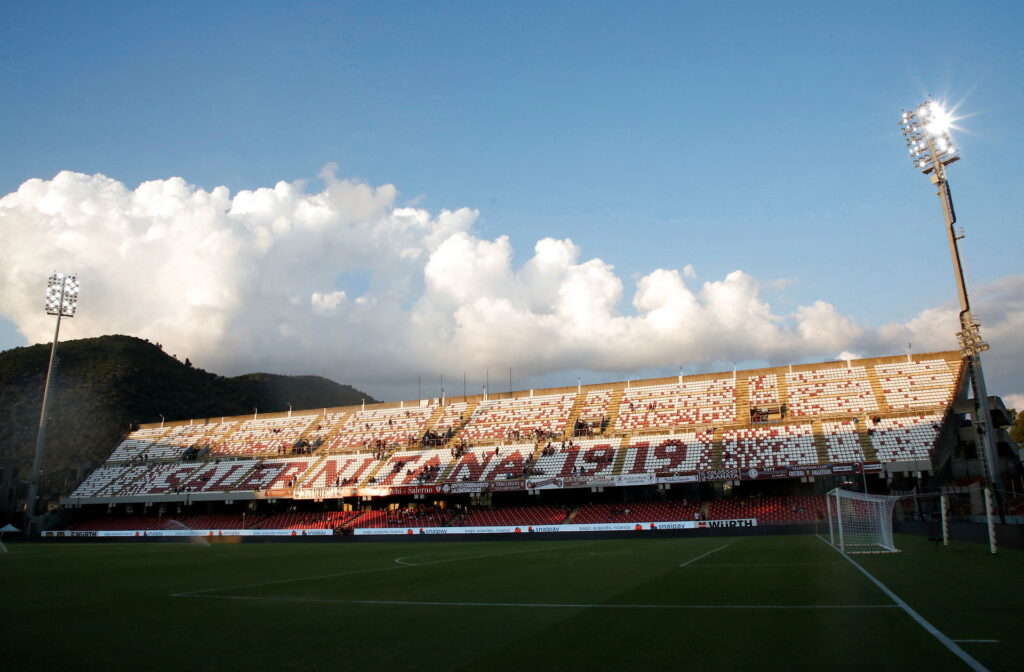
[[704, 555], [931, 629], [771, 564], [189, 593], [544, 605], [408, 564], [977, 641]]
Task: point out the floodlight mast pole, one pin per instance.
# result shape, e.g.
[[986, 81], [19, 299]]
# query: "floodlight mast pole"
[[969, 338], [932, 150], [67, 292]]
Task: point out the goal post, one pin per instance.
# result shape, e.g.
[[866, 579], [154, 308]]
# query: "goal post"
[[860, 523]]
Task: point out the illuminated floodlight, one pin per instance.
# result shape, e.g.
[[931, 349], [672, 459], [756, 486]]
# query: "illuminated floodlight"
[[62, 295], [926, 131]]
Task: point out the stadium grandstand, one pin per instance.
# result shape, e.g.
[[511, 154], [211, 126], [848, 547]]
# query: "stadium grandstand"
[[754, 447]]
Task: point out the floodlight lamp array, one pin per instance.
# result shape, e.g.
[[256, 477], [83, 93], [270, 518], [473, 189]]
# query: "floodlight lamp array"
[[62, 295], [926, 130], [970, 340]]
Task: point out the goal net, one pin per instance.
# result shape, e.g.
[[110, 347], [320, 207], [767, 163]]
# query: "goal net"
[[860, 523]]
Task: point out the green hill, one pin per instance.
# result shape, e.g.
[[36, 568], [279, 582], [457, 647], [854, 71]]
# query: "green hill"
[[104, 386]]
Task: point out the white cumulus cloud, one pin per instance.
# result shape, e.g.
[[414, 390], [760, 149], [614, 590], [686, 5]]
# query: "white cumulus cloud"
[[263, 280]]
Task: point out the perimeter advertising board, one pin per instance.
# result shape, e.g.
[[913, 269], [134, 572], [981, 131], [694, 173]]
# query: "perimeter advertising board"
[[53, 534], [535, 529]]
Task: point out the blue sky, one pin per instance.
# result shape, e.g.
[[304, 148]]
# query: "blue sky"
[[753, 136]]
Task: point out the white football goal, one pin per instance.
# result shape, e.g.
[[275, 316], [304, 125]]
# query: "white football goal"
[[860, 523]]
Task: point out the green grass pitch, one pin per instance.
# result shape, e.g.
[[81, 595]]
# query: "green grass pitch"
[[752, 603]]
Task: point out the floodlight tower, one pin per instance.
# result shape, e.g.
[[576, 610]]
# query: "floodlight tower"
[[62, 301], [926, 130]]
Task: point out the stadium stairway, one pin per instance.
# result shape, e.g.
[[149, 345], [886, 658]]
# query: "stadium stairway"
[[574, 415], [620, 455], [249, 472], [314, 467], [820, 445], [876, 389], [334, 431], [716, 449], [187, 482], [783, 391], [742, 387], [447, 471], [535, 455], [215, 447], [866, 446], [311, 427], [572, 514], [361, 517], [435, 416], [384, 460], [468, 413], [613, 407]]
